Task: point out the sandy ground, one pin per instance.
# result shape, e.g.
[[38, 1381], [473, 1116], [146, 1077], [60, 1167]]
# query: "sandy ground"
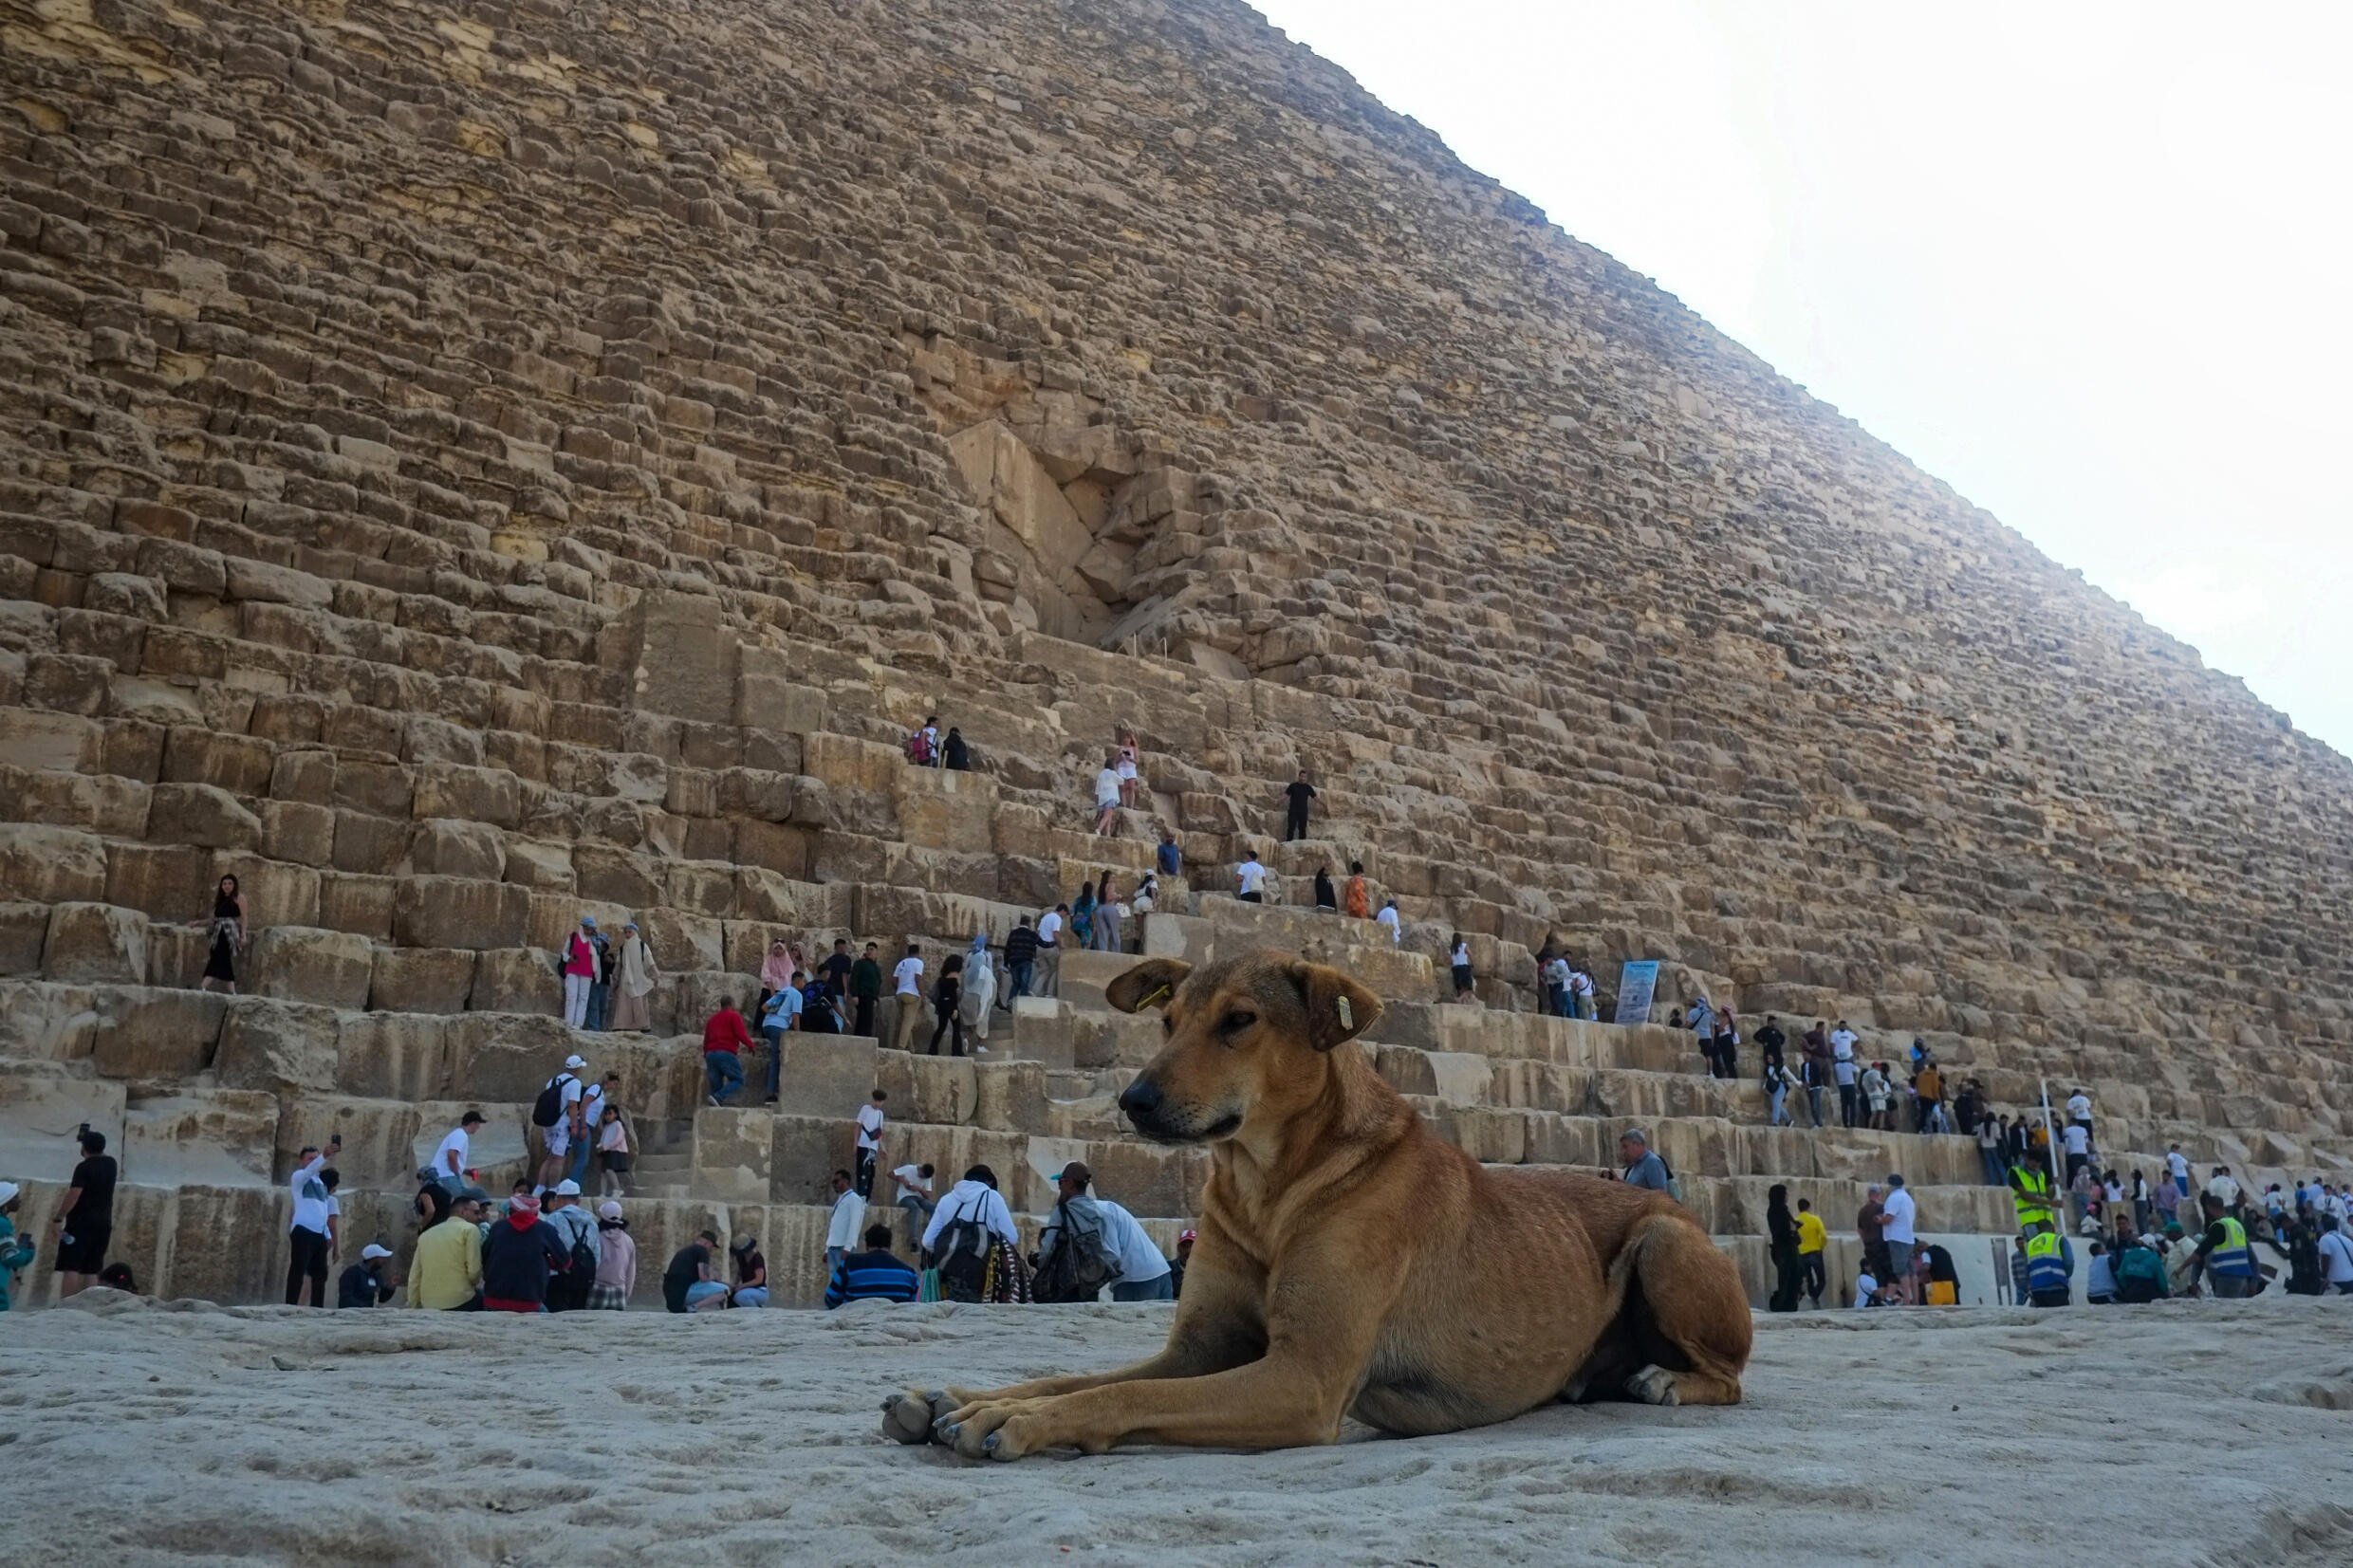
[[2192, 1433]]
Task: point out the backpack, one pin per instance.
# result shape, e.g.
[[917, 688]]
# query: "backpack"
[[1078, 1268], [549, 1108], [963, 1259], [1675, 1187], [2139, 1274], [920, 749], [584, 1260]]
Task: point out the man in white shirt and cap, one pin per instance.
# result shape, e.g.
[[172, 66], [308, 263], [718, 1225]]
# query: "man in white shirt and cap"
[[557, 1140], [849, 1220], [1250, 879]]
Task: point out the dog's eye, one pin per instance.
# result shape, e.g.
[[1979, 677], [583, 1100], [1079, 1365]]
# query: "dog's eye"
[[1235, 1022], [1168, 1026]]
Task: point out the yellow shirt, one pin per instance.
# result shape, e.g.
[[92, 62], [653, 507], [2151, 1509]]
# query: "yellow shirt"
[[447, 1270], [1812, 1234]]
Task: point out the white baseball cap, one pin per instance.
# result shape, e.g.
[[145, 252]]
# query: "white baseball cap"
[[574, 1061], [371, 1252], [610, 1210], [8, 1190], [566, 1188]]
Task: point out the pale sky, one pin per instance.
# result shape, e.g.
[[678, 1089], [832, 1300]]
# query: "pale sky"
[[2088, 264]]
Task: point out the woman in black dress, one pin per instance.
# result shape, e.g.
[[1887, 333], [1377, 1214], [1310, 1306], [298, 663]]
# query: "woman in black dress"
[[945, 996], [228, 934]]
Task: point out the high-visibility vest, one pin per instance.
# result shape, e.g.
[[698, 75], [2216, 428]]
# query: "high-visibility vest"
[[2029, 1188], [2047, 1266], [2231, 1257]]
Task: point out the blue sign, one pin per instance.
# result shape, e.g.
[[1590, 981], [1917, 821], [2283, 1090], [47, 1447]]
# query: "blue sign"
[[1638, 985]]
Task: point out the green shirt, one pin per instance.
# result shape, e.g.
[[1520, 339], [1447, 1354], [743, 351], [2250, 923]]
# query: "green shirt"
[[866, 979]]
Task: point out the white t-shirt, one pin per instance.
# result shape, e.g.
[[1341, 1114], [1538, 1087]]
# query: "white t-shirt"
[[1139, 1260], [458, 1144], [1580, 982], [2337, 1253], [848, 1223], [2078, 1107], [908, 974], [1108, 787], [2178, 1164], [916, 1182], [1049, 928], [2077, 1140], [2223, 1190], [1556, 973], [311, 1200], [1843, 1044], [1251, 874], [591, 1108], [1865, 1287], [1461, 959], [1388, 917], [870, 1125], [1898, 1209]]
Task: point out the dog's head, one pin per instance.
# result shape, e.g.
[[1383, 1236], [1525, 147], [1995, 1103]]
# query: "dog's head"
[[1244, 1038]]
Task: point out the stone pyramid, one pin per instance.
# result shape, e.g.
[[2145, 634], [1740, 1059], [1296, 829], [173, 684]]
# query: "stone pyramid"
[[464, 464]]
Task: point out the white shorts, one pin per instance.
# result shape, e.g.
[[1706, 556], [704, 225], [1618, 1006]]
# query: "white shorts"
[[559, 1137], [1128, 771]]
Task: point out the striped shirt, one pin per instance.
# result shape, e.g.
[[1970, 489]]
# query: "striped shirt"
[[863, 1275]]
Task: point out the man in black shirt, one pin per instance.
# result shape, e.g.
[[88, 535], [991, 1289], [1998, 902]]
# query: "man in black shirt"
[[1021, 956], [865, 990], [1770, 1041], [1301, 792], [85, 1221], [837, 969], [690, 1266]]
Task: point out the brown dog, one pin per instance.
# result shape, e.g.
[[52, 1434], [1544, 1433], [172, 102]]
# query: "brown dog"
[[1350, 1263]]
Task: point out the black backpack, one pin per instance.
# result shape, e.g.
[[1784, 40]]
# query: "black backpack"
[[549, 1108], [1078, 1268], [963, 1259]]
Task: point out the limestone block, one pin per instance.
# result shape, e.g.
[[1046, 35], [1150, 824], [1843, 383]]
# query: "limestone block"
[[378, 1137], [360, 905], [52, 865], [944, 810], [278, 1046], [201, 814], [687, 659], [306, 963], [24, 931], [1553, 1139], [275, 893], [605, 874], [507, 1057], [930, 1089], [422, 980], [804, 1153], [1146, 1178], [40, 738], [515, 980], [146, 1033], [211, 1136], [448, 911], [393, 1055], [682, 942], [1011, 1096], [368, 845], [827, 1075], [41, 1022], [239, 765], [768, 897], [694, 995], [540, 865], [96, 943], [1044, 1031], [734, 1150], [42, 1106], [490, 795], [442, 846], [845, 763]]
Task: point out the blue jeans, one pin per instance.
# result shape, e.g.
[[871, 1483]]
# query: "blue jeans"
[[703, 1290], [775, 1039], [751, 1295], [725, 1073], [1021, 976], [600, 1004], [1161, 1289], [1780, 1092], [583, 1150]]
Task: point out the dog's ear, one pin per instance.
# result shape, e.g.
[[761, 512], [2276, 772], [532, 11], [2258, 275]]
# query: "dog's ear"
[[1338, 1007], [1148, 985]]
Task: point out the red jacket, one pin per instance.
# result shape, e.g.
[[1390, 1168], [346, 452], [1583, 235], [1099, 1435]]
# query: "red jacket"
[[726, 1032]]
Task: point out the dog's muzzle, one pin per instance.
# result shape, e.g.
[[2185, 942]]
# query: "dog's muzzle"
[[1156, 1119]]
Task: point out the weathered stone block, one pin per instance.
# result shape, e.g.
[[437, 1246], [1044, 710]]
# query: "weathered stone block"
[[217, 1136], [310, 965], [446, 847], [515, 980], [278, 1046], [24, 931], [733, 1152], [146, 1033], [201, 814], [391, 1056], [96, 943], [507, 1057], [421, 980], [52, 865], [827, 1075], [448, 911]]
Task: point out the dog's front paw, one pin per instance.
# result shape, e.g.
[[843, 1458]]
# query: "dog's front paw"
[[1005, 1429], [911, 1417], [1654, 1385]]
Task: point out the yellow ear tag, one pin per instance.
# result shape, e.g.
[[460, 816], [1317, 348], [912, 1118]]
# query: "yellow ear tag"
[[1347, 1014], [1159, 996]]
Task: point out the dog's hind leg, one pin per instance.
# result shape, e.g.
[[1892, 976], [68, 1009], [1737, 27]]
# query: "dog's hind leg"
[[1696, 1307]]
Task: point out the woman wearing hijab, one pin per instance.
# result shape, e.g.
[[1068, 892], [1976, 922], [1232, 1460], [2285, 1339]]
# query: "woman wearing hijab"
[[1107, 917], [980, 991], [1781, 1228], [776, 971], [631, 1013]]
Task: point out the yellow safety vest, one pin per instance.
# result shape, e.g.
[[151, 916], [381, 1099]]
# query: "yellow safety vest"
[[2030, 1190], [2231, 1257]]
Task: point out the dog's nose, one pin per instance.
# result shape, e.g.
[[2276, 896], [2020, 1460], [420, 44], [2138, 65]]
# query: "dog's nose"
[[1139, 1099]]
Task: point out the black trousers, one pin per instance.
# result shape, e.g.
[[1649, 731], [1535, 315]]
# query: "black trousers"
[[1295, 824], [1812, 1277], [866, 1174], [1850, 1101], [864, 1023], [949, 1019], [308, 1262], [1785, 1277]]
